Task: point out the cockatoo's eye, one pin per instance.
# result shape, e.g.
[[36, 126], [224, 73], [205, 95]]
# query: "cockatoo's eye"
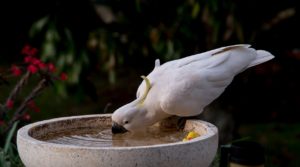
[[126, 122]]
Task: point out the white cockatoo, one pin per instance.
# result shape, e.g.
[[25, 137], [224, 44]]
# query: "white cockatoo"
[[185, 86]]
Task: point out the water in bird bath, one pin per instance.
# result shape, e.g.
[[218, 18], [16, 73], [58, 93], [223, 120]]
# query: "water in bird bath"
[[102, 137]]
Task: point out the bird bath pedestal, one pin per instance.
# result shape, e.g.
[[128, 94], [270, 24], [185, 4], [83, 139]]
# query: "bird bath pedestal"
[[198, 152]]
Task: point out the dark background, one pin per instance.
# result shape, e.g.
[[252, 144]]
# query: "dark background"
[[263, 102]]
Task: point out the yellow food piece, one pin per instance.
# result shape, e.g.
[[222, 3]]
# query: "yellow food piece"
[[191, 135]]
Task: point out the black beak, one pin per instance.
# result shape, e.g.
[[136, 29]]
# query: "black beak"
[[116, 128]]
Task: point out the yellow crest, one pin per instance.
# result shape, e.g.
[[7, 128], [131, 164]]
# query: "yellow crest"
[[148, 86]]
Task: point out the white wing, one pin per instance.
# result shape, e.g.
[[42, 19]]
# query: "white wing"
[[190, 90], [164, 70], [197, 81]]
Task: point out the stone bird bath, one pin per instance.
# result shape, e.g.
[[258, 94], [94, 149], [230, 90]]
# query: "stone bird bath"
[[34, 152]]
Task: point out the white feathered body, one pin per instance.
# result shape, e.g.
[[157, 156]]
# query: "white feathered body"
[[185, 86]]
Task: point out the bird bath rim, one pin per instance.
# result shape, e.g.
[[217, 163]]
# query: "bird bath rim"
[[35, 152], [23, 133]]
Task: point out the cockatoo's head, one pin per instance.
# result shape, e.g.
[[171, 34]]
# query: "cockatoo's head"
[[128, 118], [131, 116]]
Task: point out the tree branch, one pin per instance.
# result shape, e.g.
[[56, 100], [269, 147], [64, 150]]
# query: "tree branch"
[[21, 110], [13, 94], [22, 82]]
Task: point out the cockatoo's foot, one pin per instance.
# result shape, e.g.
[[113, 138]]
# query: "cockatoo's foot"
[[182, 120], [173, 122]]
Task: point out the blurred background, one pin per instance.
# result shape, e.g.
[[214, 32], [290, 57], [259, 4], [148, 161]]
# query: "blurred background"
[[105, 45]]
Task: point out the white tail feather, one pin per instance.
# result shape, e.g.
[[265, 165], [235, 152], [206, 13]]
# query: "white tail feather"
[[262, 56]]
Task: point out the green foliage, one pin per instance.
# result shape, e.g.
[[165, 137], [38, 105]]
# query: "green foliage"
[[58, 45], [281, 142], [8, 155], [132, 32]]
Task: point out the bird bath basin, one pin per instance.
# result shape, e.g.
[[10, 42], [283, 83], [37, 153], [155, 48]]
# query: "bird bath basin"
[[37, 149]]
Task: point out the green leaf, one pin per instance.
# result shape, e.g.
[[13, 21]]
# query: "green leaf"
[[138, 6], [61, 89], [61, 61], [38, 26], [74, 73], [112, 76], [241, 139], [196, 10], [9, 137]]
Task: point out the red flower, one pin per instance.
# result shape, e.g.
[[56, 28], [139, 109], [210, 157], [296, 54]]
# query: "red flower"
[[26, 117], [31, 105], [63, 76], [32, 69], [42, 65], [33, 51], [36, 61], [51, 67], [9, 104], [2, 122], [16, 71], [26, 50], [28, 59], [36, 109], [29, 51]]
